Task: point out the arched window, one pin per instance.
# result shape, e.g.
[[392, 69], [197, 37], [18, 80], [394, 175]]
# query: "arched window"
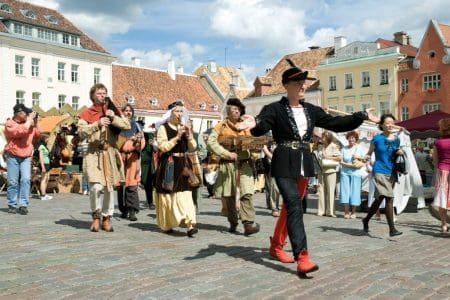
[[5, 7]]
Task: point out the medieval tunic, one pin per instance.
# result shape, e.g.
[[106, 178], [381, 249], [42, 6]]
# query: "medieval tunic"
[[225, 185], [174, 208], [98, 138]]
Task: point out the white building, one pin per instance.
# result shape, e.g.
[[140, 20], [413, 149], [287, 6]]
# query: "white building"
[[45, 60]]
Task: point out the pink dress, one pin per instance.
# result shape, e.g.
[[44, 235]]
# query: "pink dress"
[[442, 191]]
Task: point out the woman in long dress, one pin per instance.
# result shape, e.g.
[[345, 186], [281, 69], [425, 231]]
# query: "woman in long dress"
[[175, 207]]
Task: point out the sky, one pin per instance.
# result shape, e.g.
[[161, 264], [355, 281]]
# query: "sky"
[[249, 34]]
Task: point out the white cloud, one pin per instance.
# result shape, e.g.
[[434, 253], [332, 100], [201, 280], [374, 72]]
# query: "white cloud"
[[53, 4], [182, 53]]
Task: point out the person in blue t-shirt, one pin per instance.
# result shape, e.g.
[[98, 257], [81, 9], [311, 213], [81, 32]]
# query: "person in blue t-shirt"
[[385, 145]]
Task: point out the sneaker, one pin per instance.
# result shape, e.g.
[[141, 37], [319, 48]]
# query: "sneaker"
[[46, 197], [22, 210], [11, 210], [85, 192]]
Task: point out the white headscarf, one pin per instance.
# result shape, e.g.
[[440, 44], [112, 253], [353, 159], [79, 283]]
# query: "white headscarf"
[[166, 117]]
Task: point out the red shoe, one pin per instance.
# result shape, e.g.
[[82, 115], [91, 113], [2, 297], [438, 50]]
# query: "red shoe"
[[304, 265], [276, 251]]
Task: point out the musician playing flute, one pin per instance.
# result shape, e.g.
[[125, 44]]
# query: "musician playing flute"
[[100, 125], [235, 180]]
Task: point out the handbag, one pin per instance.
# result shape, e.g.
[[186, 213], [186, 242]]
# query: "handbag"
[[329, 163], [357, 163], [192, 169], [168, 175]]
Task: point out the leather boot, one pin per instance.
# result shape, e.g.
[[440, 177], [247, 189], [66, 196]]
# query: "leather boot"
[[133, 215], [233, 227], [95, 226], [106, 224], [304, 265], [251, 228], [277, 242]]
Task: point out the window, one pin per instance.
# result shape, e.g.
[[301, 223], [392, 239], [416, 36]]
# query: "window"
[[73, 40], [365, 106], [19, 65], [74, 73], [384, 107], [28, 13], [431, 82], [35, 67], [153, 101], [365, 79], [430, 107], [348, 81], [130, 99], [61, 71], [61, 100], [47, 35], [28, 30], [35, 99], [5, 8], [20, 97], [65, 38], [332, 83], [52, 19], [405, 113], [18, 28], [349, 109], [404, 85], [209, 124], [97, 75], [384, 76], [335, 107], [75, 102]]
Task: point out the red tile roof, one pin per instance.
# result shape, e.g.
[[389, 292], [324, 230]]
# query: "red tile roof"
[[223, 77], [408, 50], [445, 29], [144, 83], [306, 60], [40, 12]]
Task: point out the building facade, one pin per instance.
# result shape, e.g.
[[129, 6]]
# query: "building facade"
[[424, 81], [45, 60]]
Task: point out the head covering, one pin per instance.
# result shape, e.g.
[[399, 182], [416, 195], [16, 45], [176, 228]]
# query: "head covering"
[[294, 73], [238, 103], [165, 118], [19, 107]]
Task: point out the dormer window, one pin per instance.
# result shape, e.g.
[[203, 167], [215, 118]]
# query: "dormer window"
[[431, 54], [202, 106], [5, 7], [215, 107], [153, 102], [130, 99], [52, 19], [28, 13]]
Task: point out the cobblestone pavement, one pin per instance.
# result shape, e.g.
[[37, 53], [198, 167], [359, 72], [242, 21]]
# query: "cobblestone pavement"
[[51, 254]]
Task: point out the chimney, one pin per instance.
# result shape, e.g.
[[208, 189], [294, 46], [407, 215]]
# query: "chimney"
[[402, 38], [136, 61], [171, 69], [235, 79], [180, 70], [212, 66], [339, 42]]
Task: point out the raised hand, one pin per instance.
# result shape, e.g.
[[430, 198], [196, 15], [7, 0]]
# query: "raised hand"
[[372, 117], [248, 122]]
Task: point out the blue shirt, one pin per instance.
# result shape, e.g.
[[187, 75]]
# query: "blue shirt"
[[347, 156], [384, 153]]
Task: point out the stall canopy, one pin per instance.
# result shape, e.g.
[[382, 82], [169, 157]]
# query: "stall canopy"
[[424, 126]]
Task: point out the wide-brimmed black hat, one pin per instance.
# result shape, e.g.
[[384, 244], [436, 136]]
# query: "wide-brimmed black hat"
[[294, 74], [238, 103]]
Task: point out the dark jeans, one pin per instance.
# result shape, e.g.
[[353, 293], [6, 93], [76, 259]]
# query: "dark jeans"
[[296, 228], [148, 187]]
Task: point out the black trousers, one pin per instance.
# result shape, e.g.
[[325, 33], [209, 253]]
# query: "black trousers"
[[128, 198], [148, 187], [296, 227]]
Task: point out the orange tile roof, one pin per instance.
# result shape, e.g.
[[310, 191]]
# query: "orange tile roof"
[[40, 12], [47, 124], [445, 29], [306, 60], [223, 77], [408, 50], [144, 83]]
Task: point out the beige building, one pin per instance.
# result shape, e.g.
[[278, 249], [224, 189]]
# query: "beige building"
[[363, 74]]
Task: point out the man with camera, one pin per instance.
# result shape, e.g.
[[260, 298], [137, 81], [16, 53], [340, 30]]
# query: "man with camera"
[[20, 131]]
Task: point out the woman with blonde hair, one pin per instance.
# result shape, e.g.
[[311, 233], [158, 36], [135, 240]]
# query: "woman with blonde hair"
[[441, 159], [330, 156]]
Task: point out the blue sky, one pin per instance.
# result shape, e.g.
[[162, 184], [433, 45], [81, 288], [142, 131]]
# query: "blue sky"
[[254, 34]]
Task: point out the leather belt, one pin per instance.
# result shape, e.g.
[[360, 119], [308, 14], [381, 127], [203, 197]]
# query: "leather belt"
[[295, 145]]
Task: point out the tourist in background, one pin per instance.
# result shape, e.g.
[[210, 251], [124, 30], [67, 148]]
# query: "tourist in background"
[[44, 163]]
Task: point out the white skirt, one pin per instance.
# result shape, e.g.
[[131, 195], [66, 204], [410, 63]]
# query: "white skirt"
[[441, 187]]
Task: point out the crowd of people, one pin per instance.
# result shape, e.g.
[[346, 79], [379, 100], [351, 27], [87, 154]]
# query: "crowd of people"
[[172, 162]]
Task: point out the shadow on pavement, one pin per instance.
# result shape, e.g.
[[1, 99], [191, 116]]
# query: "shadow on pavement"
[[251, 254], [349, 231], [78, 224], [218, 228], [437, 234], [155, 228]]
